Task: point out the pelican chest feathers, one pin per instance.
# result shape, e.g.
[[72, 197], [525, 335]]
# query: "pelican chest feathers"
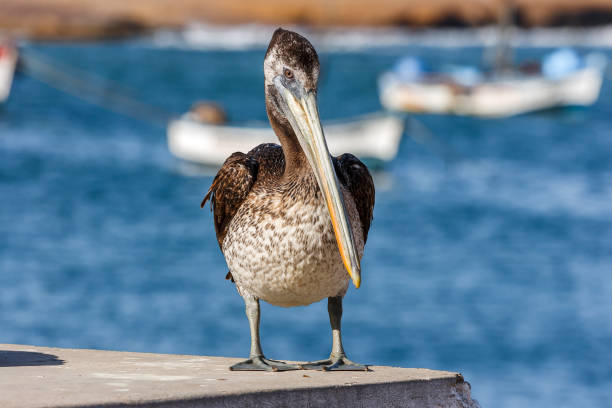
[[291, 220]]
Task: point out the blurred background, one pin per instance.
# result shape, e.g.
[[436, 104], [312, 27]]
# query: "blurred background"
[[486, 124]]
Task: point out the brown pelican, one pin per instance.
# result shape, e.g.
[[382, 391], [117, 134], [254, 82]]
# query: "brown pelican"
[[291, 220]]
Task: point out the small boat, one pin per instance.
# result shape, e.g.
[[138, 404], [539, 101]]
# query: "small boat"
[[563, 79], [8, 62], [370, 137]]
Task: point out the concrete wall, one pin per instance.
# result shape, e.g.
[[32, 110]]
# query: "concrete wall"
[[50, 377]]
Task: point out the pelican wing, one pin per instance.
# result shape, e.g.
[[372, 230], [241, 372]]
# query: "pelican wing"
[[355, 176], [229, 189]]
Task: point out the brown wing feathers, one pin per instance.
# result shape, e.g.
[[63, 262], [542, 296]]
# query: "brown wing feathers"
[[229, 189], [354, 175]]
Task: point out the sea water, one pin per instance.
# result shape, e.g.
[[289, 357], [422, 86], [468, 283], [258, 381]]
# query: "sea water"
[[490, 252]]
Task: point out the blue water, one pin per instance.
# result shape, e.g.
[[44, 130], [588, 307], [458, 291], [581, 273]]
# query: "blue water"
[[490, 252]]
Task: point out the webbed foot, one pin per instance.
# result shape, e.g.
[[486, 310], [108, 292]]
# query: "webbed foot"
[[260, 363], [339, 363]]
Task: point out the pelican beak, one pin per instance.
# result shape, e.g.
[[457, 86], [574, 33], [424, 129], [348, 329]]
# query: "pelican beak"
[[300, 108]]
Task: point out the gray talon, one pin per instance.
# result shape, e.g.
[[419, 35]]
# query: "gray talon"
[[337, 361], [340, 363], [260, 363], [257, 361]]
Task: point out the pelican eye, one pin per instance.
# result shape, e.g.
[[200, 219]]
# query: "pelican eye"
[[288, 73]]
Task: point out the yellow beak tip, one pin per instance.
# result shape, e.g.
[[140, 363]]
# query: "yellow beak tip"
[[357, 283]]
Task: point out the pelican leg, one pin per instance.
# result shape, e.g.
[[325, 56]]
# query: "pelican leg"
[[337, 360], [257, 361]]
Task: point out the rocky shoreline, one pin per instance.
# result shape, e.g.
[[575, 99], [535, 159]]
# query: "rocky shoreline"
[[92, 19]]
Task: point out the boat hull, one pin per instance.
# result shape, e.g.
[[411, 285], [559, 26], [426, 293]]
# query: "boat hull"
[[495, 98], [368, 137], [8, 61]]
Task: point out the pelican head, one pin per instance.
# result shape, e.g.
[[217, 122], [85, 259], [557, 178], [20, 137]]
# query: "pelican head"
[[291, 70]]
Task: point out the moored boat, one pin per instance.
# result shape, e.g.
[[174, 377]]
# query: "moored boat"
[[8, 62], [373, 136], [564, 79]]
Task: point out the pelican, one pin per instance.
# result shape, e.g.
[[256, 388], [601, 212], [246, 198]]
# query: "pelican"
[[291, 220]]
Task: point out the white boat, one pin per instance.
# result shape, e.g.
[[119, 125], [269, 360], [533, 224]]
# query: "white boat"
[[374, 136], [8, 61], [503, 95], [495, 98]]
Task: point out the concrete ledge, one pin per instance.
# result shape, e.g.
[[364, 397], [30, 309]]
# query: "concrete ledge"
[[32, 377]]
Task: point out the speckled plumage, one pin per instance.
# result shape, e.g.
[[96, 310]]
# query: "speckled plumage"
[[279, 243]]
